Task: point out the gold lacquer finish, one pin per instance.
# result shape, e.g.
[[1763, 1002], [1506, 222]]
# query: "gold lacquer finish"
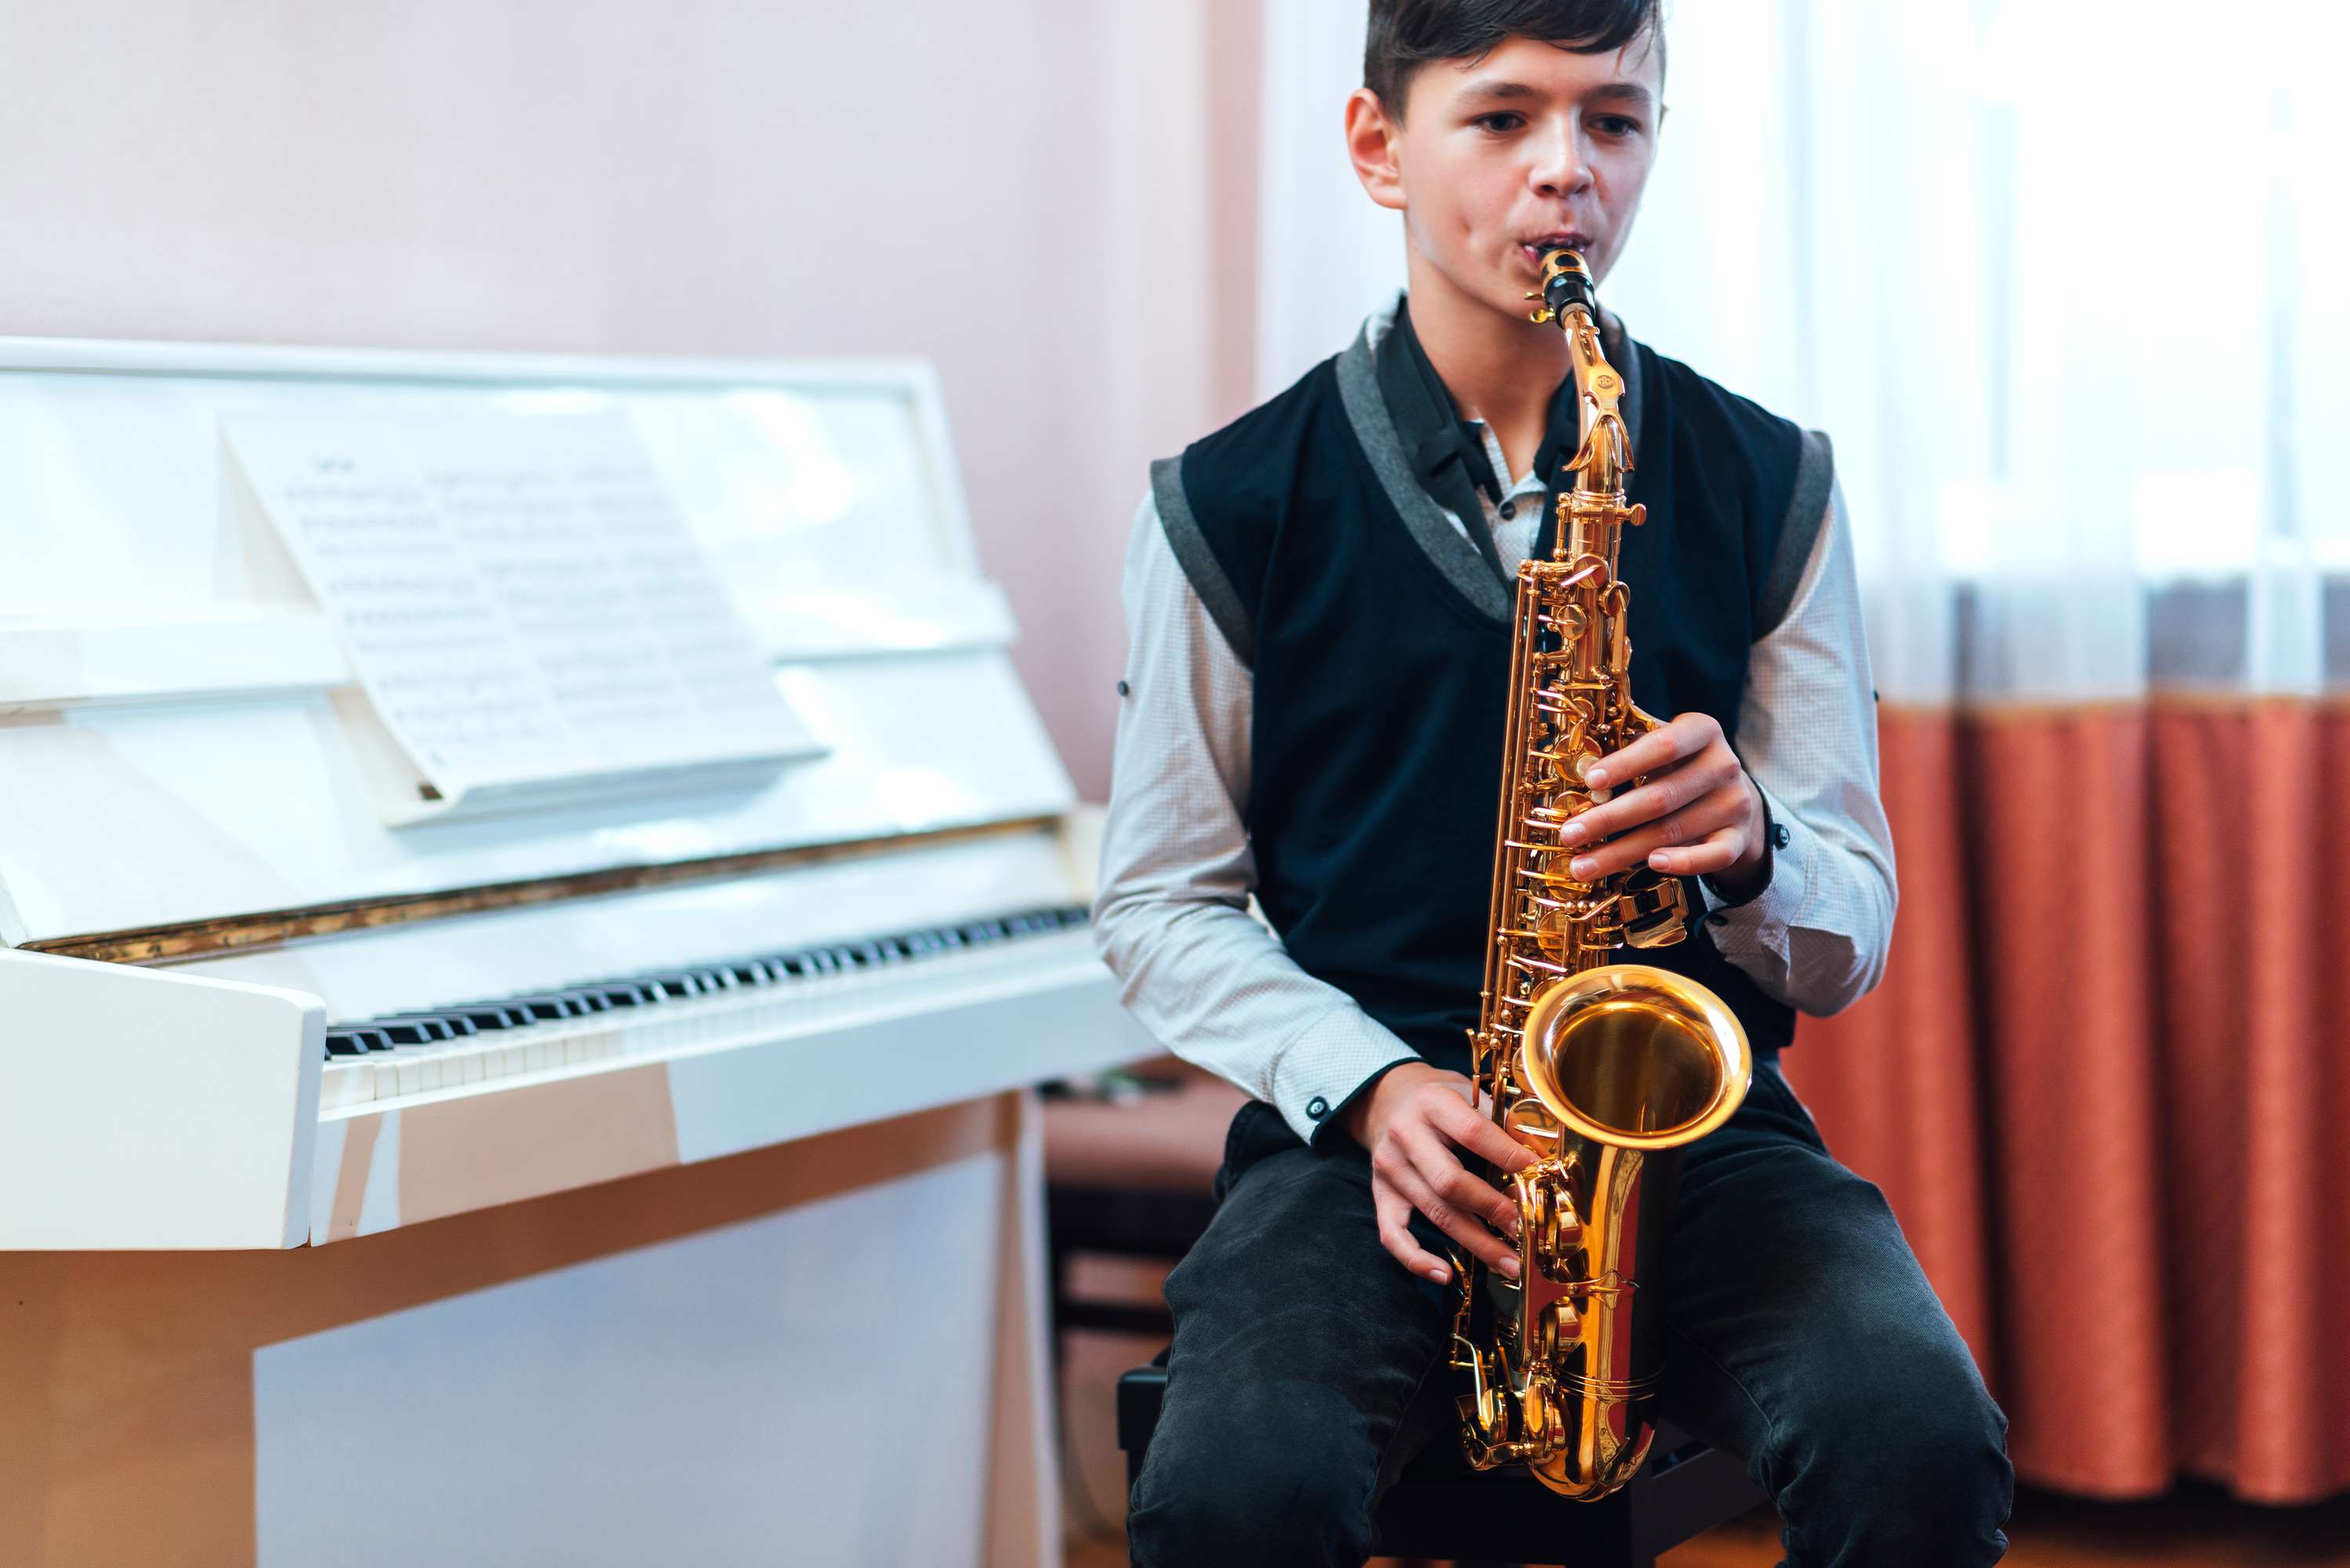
[[1603, 1068]]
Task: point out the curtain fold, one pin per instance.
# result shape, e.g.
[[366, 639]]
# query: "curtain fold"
[[2105, 1083]]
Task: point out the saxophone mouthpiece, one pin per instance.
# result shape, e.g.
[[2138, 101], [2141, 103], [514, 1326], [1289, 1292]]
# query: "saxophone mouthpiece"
[[1567, 282]]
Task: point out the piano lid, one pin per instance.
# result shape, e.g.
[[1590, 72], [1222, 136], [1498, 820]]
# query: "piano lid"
[[181, 741]]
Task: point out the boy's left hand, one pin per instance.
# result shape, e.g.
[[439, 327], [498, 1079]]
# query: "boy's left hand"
[[1697, 814]]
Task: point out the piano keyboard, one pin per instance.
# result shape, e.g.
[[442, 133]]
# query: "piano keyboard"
[[668, 1011]]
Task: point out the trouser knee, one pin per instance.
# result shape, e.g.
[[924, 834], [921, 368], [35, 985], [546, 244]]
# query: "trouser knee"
[[1279, 1478], [1919, 1483]]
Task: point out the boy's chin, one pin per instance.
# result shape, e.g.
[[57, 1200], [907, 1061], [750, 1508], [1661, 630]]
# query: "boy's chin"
[[1507, 298]]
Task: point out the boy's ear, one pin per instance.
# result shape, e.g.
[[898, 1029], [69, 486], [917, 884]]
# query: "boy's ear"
[[1370, 143]]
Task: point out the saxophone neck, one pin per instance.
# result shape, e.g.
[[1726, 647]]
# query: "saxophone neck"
[[1592, 509]]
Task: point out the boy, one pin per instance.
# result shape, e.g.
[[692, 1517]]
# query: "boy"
[[1318, 599]]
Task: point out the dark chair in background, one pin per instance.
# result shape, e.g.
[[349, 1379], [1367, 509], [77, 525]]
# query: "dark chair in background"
[[1128, 1177]]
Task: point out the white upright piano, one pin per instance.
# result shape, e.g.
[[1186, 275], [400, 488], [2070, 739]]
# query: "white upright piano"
[[618, 1154]]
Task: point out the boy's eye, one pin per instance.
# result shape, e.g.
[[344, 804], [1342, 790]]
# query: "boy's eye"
[[1499, 121], [1614, 125]]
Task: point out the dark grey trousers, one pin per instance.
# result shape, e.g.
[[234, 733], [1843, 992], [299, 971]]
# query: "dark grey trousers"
[[1308, 1365]]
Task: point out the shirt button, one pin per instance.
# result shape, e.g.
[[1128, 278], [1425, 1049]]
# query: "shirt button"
[[1124, 690], [1717, 919], [1508, 510], [1779, 835], [1317, 1108]]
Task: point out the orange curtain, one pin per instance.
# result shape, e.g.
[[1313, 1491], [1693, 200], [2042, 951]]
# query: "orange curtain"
[[2105, 1083]]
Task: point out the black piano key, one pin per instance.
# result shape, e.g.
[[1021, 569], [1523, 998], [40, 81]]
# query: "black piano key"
[[623, 992], [405, 1031], [671, 982], [435, 1025], [347, 1043], [549, 1005], [485, 1015]]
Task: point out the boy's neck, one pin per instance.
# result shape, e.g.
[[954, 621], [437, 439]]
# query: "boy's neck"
[[1500, 369]]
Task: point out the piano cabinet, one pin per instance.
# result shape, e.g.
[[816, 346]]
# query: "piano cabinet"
[[829, 1351], [579, 1174]]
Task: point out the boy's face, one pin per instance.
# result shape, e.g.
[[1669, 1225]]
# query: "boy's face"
[[1499, 159]]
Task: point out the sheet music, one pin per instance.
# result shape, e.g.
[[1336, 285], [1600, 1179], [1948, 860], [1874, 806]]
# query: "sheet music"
[[522, 601]]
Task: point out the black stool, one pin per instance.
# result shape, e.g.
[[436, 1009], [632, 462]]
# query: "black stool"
[[1440, 1508]]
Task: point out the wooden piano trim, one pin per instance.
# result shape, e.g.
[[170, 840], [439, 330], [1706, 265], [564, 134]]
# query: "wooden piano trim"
[[277, 928]]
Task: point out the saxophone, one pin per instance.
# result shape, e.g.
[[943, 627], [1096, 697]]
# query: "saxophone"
[[1602, 1069]]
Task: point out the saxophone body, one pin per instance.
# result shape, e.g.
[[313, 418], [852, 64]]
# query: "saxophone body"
[[1604, 1069]]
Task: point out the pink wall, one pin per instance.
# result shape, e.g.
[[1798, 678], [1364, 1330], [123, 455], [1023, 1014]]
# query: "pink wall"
[[724, 177]]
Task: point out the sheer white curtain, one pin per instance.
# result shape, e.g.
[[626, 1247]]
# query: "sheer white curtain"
[[1325, 255], [2050, 272]]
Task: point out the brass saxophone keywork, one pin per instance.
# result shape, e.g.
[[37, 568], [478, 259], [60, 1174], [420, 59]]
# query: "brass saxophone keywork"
[[1603, 1068]]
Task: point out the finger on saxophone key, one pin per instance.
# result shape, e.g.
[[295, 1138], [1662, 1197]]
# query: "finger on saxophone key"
[[1592, 777]]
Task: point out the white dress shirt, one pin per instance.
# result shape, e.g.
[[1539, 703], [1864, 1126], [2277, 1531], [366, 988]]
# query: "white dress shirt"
[[1215, 986]]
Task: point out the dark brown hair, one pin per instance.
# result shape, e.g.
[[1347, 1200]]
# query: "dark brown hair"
[[1405, 35]]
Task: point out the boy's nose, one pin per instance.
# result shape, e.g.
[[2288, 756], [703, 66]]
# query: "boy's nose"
[[1559, 169]]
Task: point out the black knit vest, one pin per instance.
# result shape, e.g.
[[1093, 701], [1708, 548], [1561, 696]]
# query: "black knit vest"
[[1379, 649]]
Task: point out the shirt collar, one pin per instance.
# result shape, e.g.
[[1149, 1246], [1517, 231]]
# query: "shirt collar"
[[1428, 418]]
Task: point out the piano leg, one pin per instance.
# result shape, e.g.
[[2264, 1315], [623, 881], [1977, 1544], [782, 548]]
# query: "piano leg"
[[1023, 1515]]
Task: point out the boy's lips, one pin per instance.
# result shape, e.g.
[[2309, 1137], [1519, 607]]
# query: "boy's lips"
[[1563, 239]]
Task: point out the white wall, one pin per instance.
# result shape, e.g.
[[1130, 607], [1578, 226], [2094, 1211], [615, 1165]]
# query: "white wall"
[[1018, 189]]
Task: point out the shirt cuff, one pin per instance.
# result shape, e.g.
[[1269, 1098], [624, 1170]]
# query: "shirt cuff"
[[1759, 925], [1327, 1066]]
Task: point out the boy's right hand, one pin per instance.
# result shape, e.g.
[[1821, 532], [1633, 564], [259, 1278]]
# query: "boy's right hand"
[[1412, 1122]]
